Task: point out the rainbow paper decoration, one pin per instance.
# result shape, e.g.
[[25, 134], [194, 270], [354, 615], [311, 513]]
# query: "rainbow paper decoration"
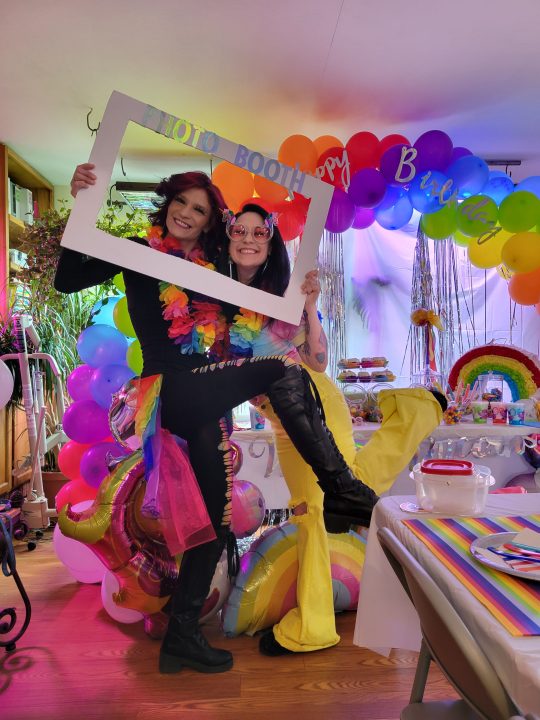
[[265, 588], [514, 602], [520, 369]]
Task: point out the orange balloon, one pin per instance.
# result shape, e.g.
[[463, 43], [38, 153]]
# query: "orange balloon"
[[270, 191], [524, 288], [298, 150], [235, 183], [325, 142]]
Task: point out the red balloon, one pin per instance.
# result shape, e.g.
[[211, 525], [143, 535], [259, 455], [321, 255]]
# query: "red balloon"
[[333, 168], [389, 141], [74, 492], [363, 151], [291, 224], [69, 459]]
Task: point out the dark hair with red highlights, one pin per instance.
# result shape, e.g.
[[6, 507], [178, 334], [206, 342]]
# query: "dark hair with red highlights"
[[170, 187]]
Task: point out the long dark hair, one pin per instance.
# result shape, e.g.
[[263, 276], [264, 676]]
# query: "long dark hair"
[[274, 275], [215, 239]]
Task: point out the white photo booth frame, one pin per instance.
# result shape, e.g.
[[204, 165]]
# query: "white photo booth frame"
[[82, 235]]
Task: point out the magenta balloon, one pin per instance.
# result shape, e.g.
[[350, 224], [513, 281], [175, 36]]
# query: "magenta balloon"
[[390, 163], [434, 151], [363, 218], [340, 213], [78, 382], [86, 422], [95, 461], [367, 188]]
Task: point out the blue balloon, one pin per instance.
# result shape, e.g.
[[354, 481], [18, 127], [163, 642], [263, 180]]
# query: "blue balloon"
[[427, 199], [102, 312], [397, 215], [391, 196], [102, 345], [107, 380], [530, 184], [498, 186], [469, 174]]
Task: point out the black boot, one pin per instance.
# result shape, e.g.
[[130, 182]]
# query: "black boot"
[[184, 644], [347, 500]]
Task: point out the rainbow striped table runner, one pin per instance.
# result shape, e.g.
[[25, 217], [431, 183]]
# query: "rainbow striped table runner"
[[513, 601]]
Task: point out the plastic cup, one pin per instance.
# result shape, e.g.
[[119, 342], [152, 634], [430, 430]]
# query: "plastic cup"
[[516, 413], [480, 411], [499, 411]]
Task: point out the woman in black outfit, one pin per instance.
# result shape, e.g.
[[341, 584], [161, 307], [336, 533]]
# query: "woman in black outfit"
[[196, 395]]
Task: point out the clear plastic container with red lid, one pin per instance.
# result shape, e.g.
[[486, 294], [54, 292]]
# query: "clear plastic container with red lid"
[[452, 487]]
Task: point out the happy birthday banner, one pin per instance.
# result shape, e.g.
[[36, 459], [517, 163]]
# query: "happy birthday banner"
[[383, 181]]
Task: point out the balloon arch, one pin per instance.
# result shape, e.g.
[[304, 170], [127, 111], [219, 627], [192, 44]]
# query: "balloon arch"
[[384, 181]]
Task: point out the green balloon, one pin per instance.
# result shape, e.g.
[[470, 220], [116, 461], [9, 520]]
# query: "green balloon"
[[118, 282], [519, 211], [134, 357], [441, 224], [477, 214], [122, 319]]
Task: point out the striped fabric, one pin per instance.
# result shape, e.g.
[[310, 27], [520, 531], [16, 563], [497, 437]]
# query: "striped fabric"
[[513, 601]]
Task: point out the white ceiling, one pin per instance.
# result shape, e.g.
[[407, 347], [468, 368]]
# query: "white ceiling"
[[257, 71]]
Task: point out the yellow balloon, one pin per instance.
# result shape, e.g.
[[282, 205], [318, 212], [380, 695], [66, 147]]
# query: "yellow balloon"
[[522, 252], [122, 319], [461, 239], [118, 282], [504, 272], [485, 251], [134, 357]]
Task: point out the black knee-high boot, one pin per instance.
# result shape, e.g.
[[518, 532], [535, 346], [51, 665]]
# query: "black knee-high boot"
[[347, 500], [184, 644]]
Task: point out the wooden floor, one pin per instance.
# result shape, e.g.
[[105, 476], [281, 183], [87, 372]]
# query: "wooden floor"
[[75, 662]]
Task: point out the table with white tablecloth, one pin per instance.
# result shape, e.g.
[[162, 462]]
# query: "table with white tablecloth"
[[386, 618]]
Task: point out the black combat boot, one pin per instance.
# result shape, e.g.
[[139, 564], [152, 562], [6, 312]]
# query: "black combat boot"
[[347, 500], [184, 644]]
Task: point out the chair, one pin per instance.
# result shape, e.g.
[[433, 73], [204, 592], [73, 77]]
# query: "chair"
[[447, 640]]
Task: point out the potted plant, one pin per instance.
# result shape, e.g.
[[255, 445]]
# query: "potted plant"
[[58, 318]]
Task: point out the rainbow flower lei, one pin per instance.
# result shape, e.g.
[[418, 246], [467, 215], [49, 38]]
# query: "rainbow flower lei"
[[200, 325], [194, 325]]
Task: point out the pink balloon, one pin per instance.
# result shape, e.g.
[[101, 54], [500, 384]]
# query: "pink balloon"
[[81, 562], [109, 588], [248, 508]]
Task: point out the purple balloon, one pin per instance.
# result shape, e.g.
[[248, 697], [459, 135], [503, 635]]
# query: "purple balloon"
[[390, 162], [341, 212], [367, 188], [86, 422], [391, 196], [434, 151], [78, 382], [95, 461], [363, 218], [107, 380], [458, 152], [102, 345]]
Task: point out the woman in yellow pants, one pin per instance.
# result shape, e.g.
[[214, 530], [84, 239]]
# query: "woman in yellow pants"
[[408, 416]]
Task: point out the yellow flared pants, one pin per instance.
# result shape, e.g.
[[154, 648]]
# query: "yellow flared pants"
[[409, 415]]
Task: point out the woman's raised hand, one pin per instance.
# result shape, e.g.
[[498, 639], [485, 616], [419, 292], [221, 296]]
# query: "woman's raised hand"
[[83, 177], [311, 287]]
